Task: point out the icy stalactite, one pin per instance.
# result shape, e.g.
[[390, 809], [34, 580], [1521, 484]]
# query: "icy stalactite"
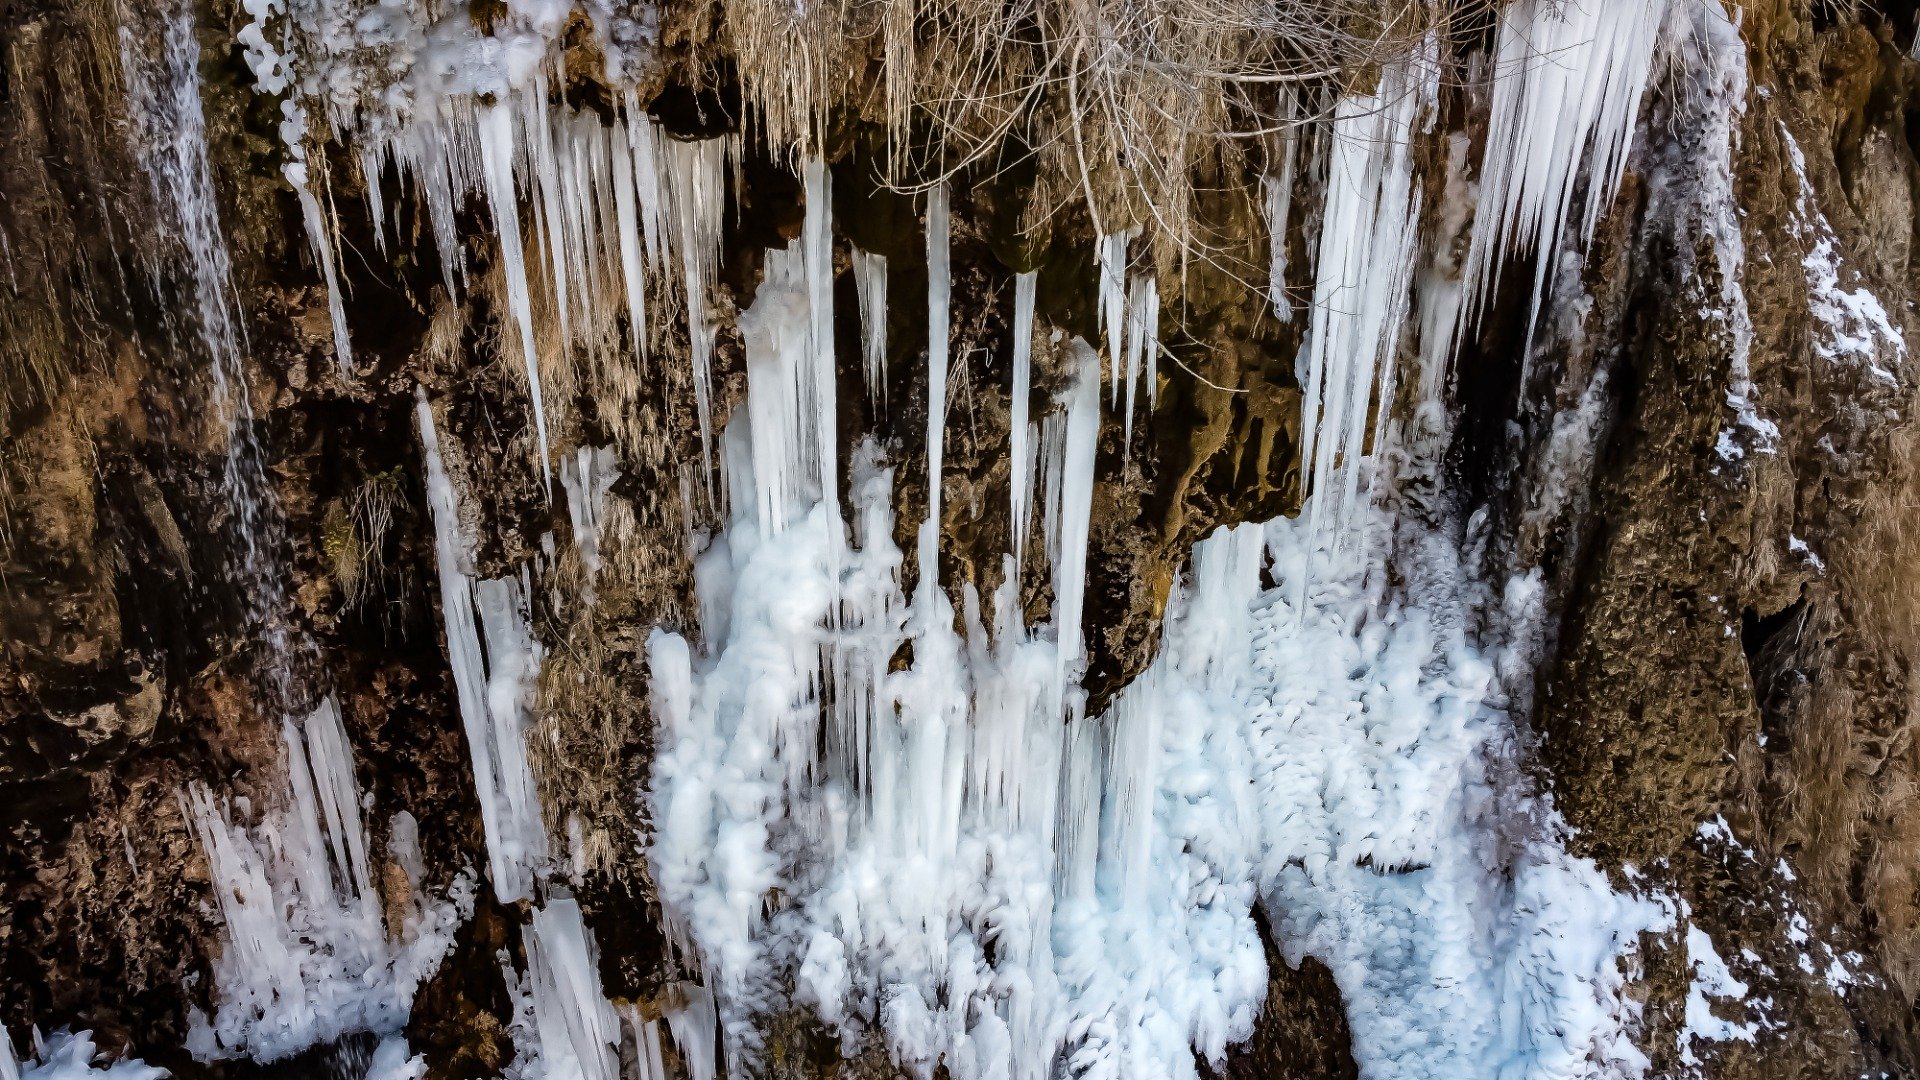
[[613, 204], [587, 475], [1567, 83], [649, 1058], [870, 282], [790, 371], [69, 1055], [494, 683], [789, 396], [1366, 256], [1020, 453], [1314, 768], [1143, 345], [1110, 267], [497, 141], [306, 955], [939, 290], [999, 883], [696, 175], [1277, 205], [816, 248], [1080, 439], [565, 1027], [693, 1027], [628, 200], [579, 1030], [320, 242]]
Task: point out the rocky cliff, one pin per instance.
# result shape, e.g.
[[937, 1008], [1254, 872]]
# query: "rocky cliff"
[[1255, 540]]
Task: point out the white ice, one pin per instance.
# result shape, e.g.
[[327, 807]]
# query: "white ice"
[[69, 1056], [869, 797]]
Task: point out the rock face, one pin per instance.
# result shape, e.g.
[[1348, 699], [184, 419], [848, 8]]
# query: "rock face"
[[1693, 453]]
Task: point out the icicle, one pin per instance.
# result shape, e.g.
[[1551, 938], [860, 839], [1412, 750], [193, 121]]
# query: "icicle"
[[696, 181], [819, 385], [1150, 329], [491, 684], [1082, 436], [1143, 343], [1053, 445], [1366, 258], [587, 475], [693, 1026], [784, 462], [1110, 257], [632, 269], [1278, 205], [648, 1059], [1567, 83], [330, 758], [649, 177], [579, 1031], [939, 284], [548, 196], [1020, 468], [320, 242], [791, 406], [870, 279], [495, 130]]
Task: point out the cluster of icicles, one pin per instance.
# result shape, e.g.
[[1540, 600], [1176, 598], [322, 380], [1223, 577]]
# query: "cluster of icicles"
[[973, 870]]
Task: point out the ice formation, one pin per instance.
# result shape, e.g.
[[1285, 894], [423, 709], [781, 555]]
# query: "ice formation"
[[1567, 85], [1020, 428], [1365, 264], [992, 880], [568, 1030], [68, 1056], [947, 851], [1277, 206], [306, 956], [587, 474], [939, 289], [870, 281]]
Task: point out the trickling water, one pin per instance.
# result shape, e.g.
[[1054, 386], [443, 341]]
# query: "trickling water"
[[170, 126], [306, 956]]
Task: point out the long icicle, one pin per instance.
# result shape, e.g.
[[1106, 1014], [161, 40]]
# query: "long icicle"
[[939, 286], [497, 153], [1021, 469]]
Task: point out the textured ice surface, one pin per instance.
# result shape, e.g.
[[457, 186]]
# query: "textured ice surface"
[[69, 1056], [947, 850]]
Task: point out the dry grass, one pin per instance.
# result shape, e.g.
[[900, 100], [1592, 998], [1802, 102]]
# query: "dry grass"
[[1118, 102]]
